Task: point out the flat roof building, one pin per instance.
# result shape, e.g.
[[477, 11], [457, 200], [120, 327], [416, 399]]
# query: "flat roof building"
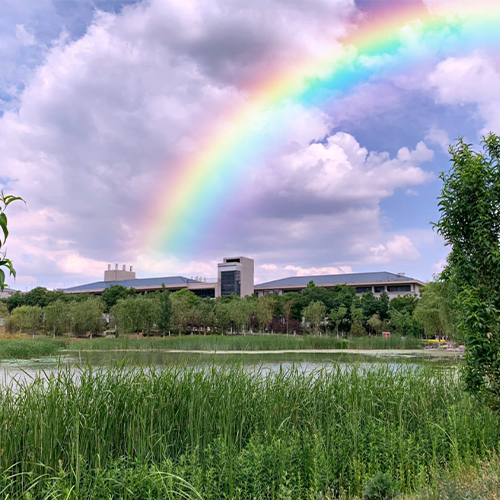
[[235, 275], [376, 282]]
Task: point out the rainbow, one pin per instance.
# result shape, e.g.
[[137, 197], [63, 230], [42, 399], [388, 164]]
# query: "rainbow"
[[193, 195]]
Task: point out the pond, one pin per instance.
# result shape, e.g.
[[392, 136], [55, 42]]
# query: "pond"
[[304, 362]]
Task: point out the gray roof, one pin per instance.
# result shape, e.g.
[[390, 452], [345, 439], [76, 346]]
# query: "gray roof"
[[135, 283], [336, 279]]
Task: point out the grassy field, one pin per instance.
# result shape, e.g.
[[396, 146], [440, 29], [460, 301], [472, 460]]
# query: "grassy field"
[[247, 343], [231, 434], [28, 348]]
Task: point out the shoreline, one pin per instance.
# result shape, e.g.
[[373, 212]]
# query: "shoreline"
[[367, 352]]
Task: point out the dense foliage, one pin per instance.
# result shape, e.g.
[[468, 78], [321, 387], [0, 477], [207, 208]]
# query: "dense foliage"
[[315, 310], [470, 225], [230, 433]]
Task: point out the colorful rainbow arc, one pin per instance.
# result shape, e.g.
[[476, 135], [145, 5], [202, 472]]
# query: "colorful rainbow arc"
[[192, 198]]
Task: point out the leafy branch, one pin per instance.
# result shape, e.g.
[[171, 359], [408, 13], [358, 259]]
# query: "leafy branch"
[[5, 263]]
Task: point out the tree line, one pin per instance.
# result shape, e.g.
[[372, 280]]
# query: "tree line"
[[316, 310]]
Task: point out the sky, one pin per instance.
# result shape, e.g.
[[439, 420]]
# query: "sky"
[[103, 103]]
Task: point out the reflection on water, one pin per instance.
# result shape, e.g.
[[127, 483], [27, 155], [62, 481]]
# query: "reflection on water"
[[24, 370]]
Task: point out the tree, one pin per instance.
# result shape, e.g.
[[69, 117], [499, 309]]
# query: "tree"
[[87, 316], [183, 303], [57, 317], [114, 293], [469, 222], [375, 323], [5, 263], [26, 319], [337, 315], [357, 317], [288, 311], [266, 306], [434, 311], [165, 310], [314, 314]]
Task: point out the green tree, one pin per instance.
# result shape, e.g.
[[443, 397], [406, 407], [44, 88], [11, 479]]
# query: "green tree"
[[87, 316], [265, 310], [288, 311], [165, 312], [337, 316], [314, 314], [183, 307], [27, 319], [469, 222], [57, 316], [375, 323], [5, 263], [39, 296], [357, 317], [114, 293], [15, 300]]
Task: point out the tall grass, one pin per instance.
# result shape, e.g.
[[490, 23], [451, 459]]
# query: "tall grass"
[[232, 434], [248, 343], [28, 348]]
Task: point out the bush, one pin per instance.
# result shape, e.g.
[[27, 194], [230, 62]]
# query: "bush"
[[380, 487]]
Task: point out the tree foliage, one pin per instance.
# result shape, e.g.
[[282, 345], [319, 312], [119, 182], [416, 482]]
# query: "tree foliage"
[[470, 225]]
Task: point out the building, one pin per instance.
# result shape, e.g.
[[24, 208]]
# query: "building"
[[7, 292], [235, 275], [376, 282]]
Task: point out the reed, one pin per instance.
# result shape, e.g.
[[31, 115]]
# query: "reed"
[[247, 343], [28, 348], [232, 434]]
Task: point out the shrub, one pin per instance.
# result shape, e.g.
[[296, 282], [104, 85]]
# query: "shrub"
[[380, 487]]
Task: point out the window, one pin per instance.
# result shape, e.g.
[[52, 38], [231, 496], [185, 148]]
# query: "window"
[[207, 292], [399, 288], [230, 283], [379, 289], [363, 289]]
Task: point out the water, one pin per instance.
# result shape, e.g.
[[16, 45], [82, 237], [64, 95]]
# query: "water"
[[13, 371]]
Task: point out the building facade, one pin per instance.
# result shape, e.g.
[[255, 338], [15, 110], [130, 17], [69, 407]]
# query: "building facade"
[[394, 285], [235, 275]]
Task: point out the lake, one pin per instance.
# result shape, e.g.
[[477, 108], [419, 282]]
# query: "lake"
[[304, 362]]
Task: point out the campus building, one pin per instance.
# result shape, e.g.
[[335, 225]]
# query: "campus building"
[[235, 275], [376, 282]]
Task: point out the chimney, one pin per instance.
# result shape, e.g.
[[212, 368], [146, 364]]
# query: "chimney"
[[124, 267], [131, 268], [401, 274], [116, 267], [109, 267]]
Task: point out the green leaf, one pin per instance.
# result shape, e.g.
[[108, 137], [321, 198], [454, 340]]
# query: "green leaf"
[[3, 225], [9, 199], [2, 279]]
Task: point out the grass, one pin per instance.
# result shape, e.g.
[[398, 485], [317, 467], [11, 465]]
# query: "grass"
[[247, 343], [28, 348], [232, 434], [469, 483]]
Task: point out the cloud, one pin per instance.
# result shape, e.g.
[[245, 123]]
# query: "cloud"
[[301, 271], [473, 79], [92, 132], [439, 136], [269, 267], [399, 248]]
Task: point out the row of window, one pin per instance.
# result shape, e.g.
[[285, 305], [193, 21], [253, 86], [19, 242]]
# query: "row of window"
[[382, 288]]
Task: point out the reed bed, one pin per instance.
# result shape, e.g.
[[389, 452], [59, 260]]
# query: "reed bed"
[[248, 343], [226, 433], [28, 348]]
